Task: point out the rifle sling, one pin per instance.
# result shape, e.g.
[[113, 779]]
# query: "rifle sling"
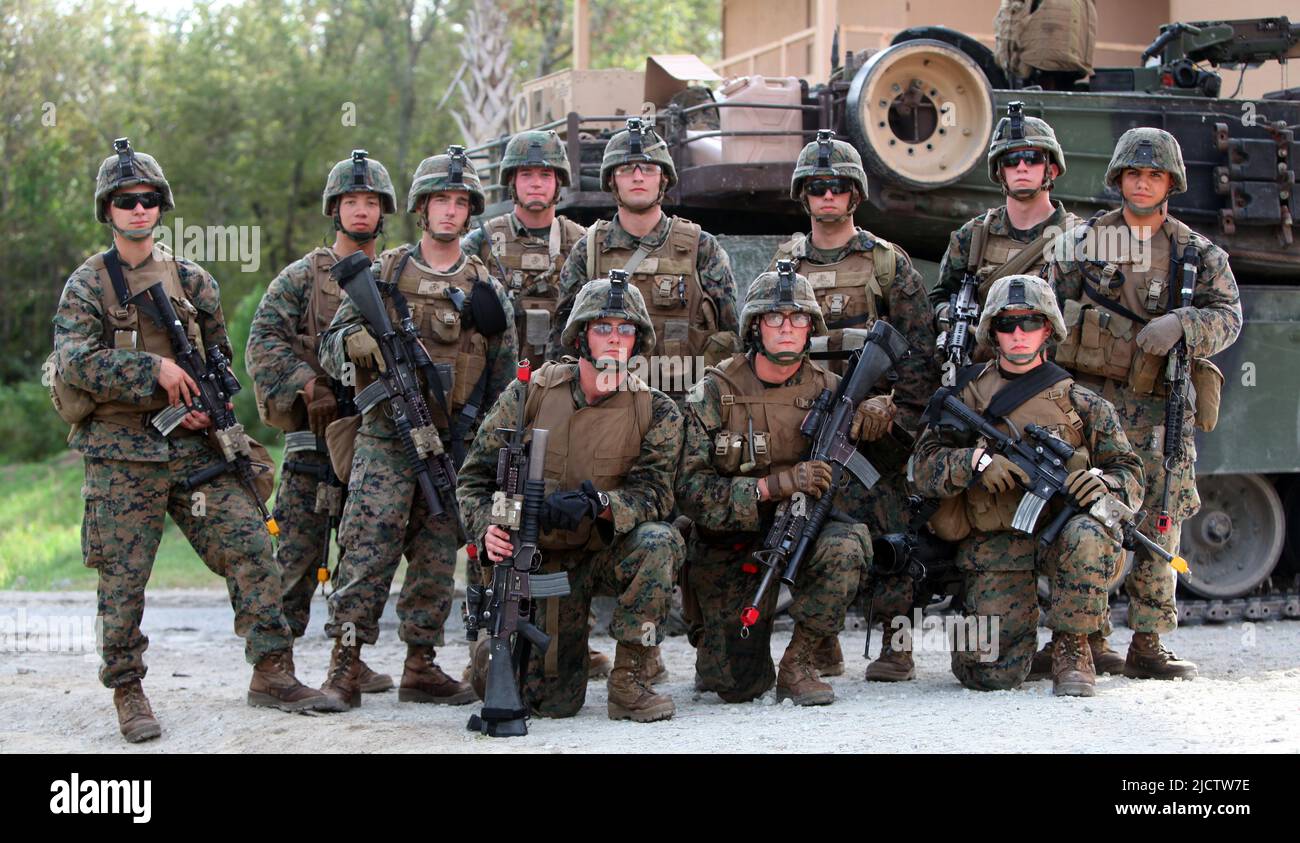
[[123, 292]]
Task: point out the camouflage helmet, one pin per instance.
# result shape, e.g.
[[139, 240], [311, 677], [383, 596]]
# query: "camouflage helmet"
[[1020, 292], [611, 296], [1147, 147], [829, 158], [449, 171], [359, 174], [126, 168], [535, 149], [784, 290], [1031, 133], [638, 142]]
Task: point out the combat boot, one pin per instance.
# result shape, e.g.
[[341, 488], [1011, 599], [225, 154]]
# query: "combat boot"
[[1072, 672], [630, 697], [1148, 659], [1041, 666], [1104, 659], [655, 672], [371, 682], [134, 715], [343, 683], [828, 657], [598, 664], [424, 682], [796, 678], [274, 686], [892, 665]]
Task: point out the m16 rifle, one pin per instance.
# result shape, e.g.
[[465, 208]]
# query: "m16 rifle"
[[399, 385], [507, 607], [1176, 401], [797, 525]]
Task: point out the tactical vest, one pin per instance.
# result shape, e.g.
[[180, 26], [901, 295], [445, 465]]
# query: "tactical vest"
[[125, 327], [851, 291], [996, 250], [531, 267], [459, 351], [1050, 409], [600, 443], [683, 316], [776, 413], [1103, 343]]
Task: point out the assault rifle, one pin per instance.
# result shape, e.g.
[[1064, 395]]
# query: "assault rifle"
[[956, 339], [507, 607], [797, 525], [1176, 401], [399, 385]]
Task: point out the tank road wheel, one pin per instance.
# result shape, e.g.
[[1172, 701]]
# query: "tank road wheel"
[[1232, 544], [921, 114]]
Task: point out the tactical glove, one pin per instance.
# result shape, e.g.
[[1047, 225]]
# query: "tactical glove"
[[567, 510], [363, 350], [812, 478], [872, 418], [323, 407], [1160, 335], [1085, 487], [999, 476]]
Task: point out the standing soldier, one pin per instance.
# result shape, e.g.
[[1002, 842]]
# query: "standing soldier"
[[459, 311], [613, 449], [743, 454], [295, 395], [1125, 312], [528, 247], [114, 368], [682, 273], [858, 278], [1018, 388], [1025, 160]]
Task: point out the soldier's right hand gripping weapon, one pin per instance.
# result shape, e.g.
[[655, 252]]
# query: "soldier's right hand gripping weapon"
[[1043, 457], [507, 607], [399, 385], [796, 526], [1176, 401], [217, 387]]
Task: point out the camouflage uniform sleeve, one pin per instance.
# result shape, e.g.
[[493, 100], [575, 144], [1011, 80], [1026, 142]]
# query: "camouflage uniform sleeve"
[[714, 266], [502, 350], [81, 356], [710, 499], [333, 351], [1108, 447], [911, 314], [1063, 272], [941, 464], [1213, 322], [647, 491], [952, 266], [204, 292], [270, 358], [472, 243], [572, 276], [477, 479]]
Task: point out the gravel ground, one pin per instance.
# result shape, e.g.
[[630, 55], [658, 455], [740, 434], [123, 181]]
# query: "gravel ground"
[[1247, 698]]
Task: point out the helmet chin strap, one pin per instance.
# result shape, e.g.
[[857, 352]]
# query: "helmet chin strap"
[[136, 233], [837, 218], [1147, 210], [1026, 193], [358, 237], [555, 198], [1027, 357], [618, 200]]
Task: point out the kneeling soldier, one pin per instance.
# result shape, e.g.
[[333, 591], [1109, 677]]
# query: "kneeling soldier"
[[1014, 392], [613, 448]]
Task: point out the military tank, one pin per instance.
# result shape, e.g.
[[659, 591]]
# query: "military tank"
[[921, 113]]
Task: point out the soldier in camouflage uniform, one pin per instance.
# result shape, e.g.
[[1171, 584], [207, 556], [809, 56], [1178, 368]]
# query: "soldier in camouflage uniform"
[[743, 455], [460, 313], [857, 278], [1119, 277], [120, 365], [1025, 160], [1001, 565], [528, 247], [682, 273], [613, 448], [295, 395]]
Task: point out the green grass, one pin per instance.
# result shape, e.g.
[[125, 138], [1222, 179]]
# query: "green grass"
[[40, 533]]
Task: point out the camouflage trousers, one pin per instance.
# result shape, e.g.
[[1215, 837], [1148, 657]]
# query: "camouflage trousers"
[[883, 508], [1002, 570], [637, 569], [304, 534], [385, 516], [740, 668], [125, 503]]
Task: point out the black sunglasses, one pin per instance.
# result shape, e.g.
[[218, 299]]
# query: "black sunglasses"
[[818, 187], [1029, 156], [1026, 322], [127, 201]]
